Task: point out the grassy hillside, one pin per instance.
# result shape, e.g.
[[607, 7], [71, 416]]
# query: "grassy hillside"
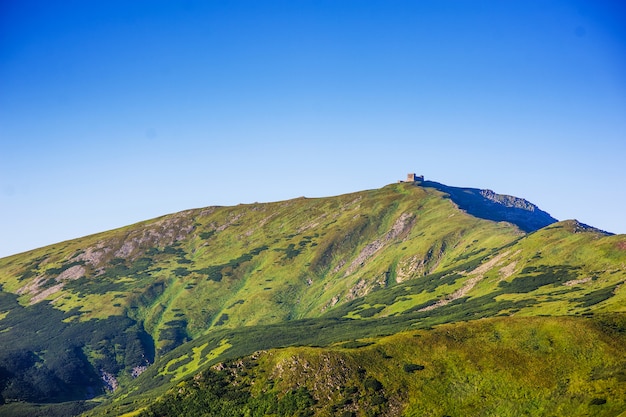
[[146, 306], [492, 367], [290, 259]]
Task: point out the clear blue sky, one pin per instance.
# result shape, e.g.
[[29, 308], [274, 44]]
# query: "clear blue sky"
[[112, 112]]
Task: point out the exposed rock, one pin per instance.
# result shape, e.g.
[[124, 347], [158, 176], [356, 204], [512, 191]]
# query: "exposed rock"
[[164, 232], [110, 383], [231, 220], [127, 248], [325, 376], [575, 226], [138, 370], [508, 270], [409, 267], [331, 303], [359, 290], [38, 287], [573, 282], [339, 265], [33, 286], [401, 225], [208, 211], [487, 266], [312, 223], [71, 273], [508, 200], [45, 293], [93, 255], [475, 277]]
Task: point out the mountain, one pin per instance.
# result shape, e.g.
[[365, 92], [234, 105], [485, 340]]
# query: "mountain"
[[115, 320]]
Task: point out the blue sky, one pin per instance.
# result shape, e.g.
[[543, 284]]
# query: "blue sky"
[[113, 112]]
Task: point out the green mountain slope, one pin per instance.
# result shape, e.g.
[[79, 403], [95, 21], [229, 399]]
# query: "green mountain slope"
[[145, 306], [492, 367]]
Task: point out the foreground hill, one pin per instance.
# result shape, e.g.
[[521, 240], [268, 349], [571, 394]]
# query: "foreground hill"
[[129, 312], [492, 367]]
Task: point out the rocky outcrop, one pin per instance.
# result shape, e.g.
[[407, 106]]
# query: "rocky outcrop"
[[475, 277], [489, 205], [401, 226]]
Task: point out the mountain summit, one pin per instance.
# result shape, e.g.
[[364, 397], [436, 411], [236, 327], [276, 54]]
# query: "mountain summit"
[[489, 205], [124, 315]]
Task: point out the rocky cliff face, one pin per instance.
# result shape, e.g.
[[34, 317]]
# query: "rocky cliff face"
[[489, 205], [508, 200]]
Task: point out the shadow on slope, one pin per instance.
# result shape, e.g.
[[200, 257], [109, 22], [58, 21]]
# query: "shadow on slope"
[[486, 204]]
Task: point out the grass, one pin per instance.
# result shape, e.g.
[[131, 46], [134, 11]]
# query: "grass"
[[189, 363], [495, 367]]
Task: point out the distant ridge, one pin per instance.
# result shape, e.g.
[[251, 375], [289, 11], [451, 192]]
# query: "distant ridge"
[[489, 205], [574, 226]]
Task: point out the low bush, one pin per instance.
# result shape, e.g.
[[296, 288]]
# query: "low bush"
[[412, 367]]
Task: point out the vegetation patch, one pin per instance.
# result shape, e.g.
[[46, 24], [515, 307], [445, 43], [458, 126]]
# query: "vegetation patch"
[[535, 277], [596, 296], [355, 344], [412, 367], [223, 319]]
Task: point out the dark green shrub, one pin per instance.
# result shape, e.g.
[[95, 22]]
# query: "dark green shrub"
[[350, 390], [373, 384], [181, 272], [207, 235], [412, 367], [378, 399], [544, 275], [370, 312], [355, 344], [291, 251], [596, 296]]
